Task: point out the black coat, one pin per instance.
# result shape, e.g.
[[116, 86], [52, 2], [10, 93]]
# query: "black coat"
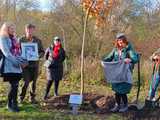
[[56, 66]]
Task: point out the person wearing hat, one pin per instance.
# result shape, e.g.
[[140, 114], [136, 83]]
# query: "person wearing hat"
[[30, 73], [122, 51], [54, 56]]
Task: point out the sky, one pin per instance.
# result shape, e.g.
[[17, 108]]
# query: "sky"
[[46, 4]]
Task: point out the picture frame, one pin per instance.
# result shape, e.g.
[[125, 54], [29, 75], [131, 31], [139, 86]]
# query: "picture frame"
[[30, 51]]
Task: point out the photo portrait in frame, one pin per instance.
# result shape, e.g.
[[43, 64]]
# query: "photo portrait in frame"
[[30, 51]]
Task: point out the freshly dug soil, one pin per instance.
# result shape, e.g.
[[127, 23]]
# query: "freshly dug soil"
[[101, 104], [91, 102]]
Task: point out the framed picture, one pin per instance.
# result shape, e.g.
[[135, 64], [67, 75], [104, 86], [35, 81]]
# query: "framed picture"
[[30, 51]]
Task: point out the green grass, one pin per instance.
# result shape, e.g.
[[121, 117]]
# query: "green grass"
[[35, 112]]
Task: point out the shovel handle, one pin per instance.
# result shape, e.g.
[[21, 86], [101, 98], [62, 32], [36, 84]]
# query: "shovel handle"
[[139, 78]]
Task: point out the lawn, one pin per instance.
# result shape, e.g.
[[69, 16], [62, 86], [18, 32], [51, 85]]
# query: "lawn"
[[32, 112]]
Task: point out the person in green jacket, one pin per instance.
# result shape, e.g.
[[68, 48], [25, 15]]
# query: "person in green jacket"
[[123, 51]]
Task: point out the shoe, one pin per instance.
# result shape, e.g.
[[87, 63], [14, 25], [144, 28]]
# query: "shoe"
[[13, 108], [9, 106], [124, 108], [116, 108], [45, 97], [153, 99], [55, 94]]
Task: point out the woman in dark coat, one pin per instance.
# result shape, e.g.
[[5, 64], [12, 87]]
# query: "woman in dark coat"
[[54, 55]]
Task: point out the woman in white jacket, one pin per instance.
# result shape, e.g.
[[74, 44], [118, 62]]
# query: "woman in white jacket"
[[13, 63]]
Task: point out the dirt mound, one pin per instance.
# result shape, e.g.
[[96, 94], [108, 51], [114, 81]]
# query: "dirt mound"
[[96, 103], [91, 102]]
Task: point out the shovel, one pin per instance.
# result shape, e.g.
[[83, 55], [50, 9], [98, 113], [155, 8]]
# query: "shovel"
[[134, 105]]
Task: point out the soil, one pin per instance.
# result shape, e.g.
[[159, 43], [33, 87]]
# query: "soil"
[[91, 102], [100, 104]]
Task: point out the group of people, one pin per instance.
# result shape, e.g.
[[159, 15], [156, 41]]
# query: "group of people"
[[16, 67]]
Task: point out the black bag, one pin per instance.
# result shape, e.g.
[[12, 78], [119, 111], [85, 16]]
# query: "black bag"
[[2, 58]]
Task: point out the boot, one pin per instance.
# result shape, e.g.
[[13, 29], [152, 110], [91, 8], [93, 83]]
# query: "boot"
[[115, 108], [56, 85], [47, 89], [9, 105], [124, 108], [15, 107]]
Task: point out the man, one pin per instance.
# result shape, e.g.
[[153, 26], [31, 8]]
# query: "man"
[[30, 73]]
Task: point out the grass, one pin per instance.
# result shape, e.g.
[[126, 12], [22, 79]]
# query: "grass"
[[35, 112]]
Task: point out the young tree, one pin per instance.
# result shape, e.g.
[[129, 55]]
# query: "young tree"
[[100, 10]]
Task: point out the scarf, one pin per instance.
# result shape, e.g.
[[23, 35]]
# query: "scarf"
[[56, 51], [15, 49]]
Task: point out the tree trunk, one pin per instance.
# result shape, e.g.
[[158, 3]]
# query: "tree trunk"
[[83, 45]]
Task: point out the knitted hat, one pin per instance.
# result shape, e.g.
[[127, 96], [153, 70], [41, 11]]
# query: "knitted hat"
[[56, 38], [119, 35]]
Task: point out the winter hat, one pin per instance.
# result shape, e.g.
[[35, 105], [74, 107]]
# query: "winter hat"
[[56, 38], [119, 35]]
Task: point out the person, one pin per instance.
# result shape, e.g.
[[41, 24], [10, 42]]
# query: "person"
[[13, 63], [54, 56], [155, 75], [30, 73], [123, 51]]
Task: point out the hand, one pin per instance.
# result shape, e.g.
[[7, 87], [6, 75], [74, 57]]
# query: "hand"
[[24, 65], [127, 60], [102, 63]]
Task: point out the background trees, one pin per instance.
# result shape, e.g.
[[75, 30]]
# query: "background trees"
[[139, 19]]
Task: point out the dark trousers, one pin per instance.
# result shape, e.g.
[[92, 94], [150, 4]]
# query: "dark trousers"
[[30, 74], [49, 84], [121, 97], [12, 95]]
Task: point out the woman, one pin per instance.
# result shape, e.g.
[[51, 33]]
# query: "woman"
[[12, 71], [54, 55], [123, 51]]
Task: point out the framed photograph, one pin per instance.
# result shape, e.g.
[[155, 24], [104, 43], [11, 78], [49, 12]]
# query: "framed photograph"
[[30, 51]]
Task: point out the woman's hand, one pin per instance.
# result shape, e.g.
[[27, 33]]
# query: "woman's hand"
[[102, 63], [24, 65], [127, 60]]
